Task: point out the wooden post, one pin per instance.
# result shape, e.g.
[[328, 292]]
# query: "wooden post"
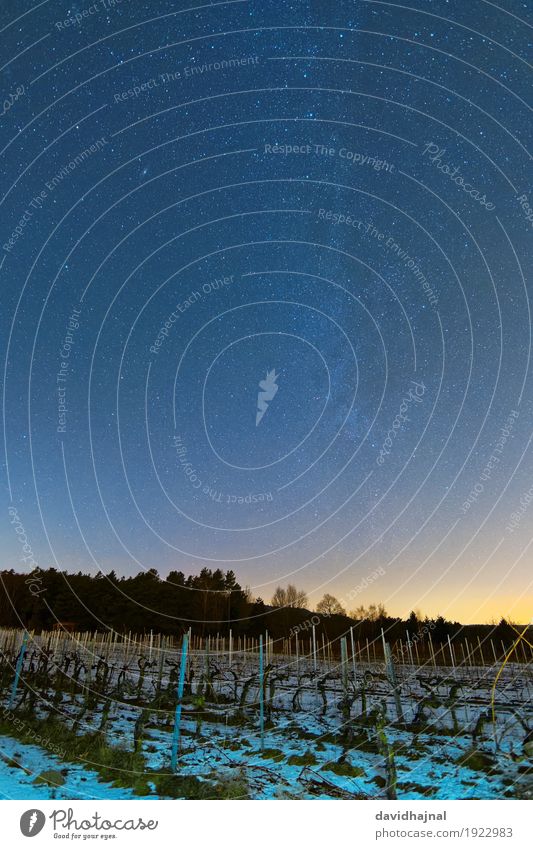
[[353, 653], [344, 664], [384, 645], [432, 653], [206, 659], [391, 674], [18, 669], [177, 719], [451, 652], [161, 664], [409, 648], [314, 648]]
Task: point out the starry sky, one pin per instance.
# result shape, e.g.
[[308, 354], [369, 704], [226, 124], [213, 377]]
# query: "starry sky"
[[330, 199]]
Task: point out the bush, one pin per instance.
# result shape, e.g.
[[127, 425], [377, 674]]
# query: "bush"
[[344, 769], [307, 759], [190, 787]]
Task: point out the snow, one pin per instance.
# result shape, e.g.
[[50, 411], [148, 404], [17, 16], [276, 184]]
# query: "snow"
[[426, 757], [21, 764]]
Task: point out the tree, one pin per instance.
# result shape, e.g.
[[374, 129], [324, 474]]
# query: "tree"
[[440, 631], [329, 606], [296, 598], [372, 613], [504, 632], [279, 599], [290, 597], [413, 622], [175, 578], [248, 595], [230, 581]]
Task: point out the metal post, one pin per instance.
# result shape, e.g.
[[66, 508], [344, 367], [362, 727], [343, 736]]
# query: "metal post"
[[177, 720], [261, 693]]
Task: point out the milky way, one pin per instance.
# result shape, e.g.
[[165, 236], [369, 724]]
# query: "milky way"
[[319, 212]]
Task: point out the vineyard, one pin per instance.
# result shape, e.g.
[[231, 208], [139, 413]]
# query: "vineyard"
[[213, 718]]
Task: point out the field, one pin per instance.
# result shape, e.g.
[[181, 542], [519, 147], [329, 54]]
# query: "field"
[[92, 717]]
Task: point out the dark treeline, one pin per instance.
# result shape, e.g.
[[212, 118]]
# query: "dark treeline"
[[211, 602]]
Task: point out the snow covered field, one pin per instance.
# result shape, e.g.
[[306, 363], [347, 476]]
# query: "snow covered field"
[[30, 772], [330, 730]]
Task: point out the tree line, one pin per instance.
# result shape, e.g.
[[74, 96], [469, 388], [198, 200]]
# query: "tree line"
[[211, 602]]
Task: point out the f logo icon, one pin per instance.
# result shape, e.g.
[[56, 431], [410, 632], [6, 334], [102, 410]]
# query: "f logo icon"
[[32, 822]]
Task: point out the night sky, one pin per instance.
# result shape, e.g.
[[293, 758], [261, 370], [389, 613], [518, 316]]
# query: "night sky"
[[329, 198]]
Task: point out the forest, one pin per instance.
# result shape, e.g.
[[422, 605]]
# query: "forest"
[[210, 603]]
